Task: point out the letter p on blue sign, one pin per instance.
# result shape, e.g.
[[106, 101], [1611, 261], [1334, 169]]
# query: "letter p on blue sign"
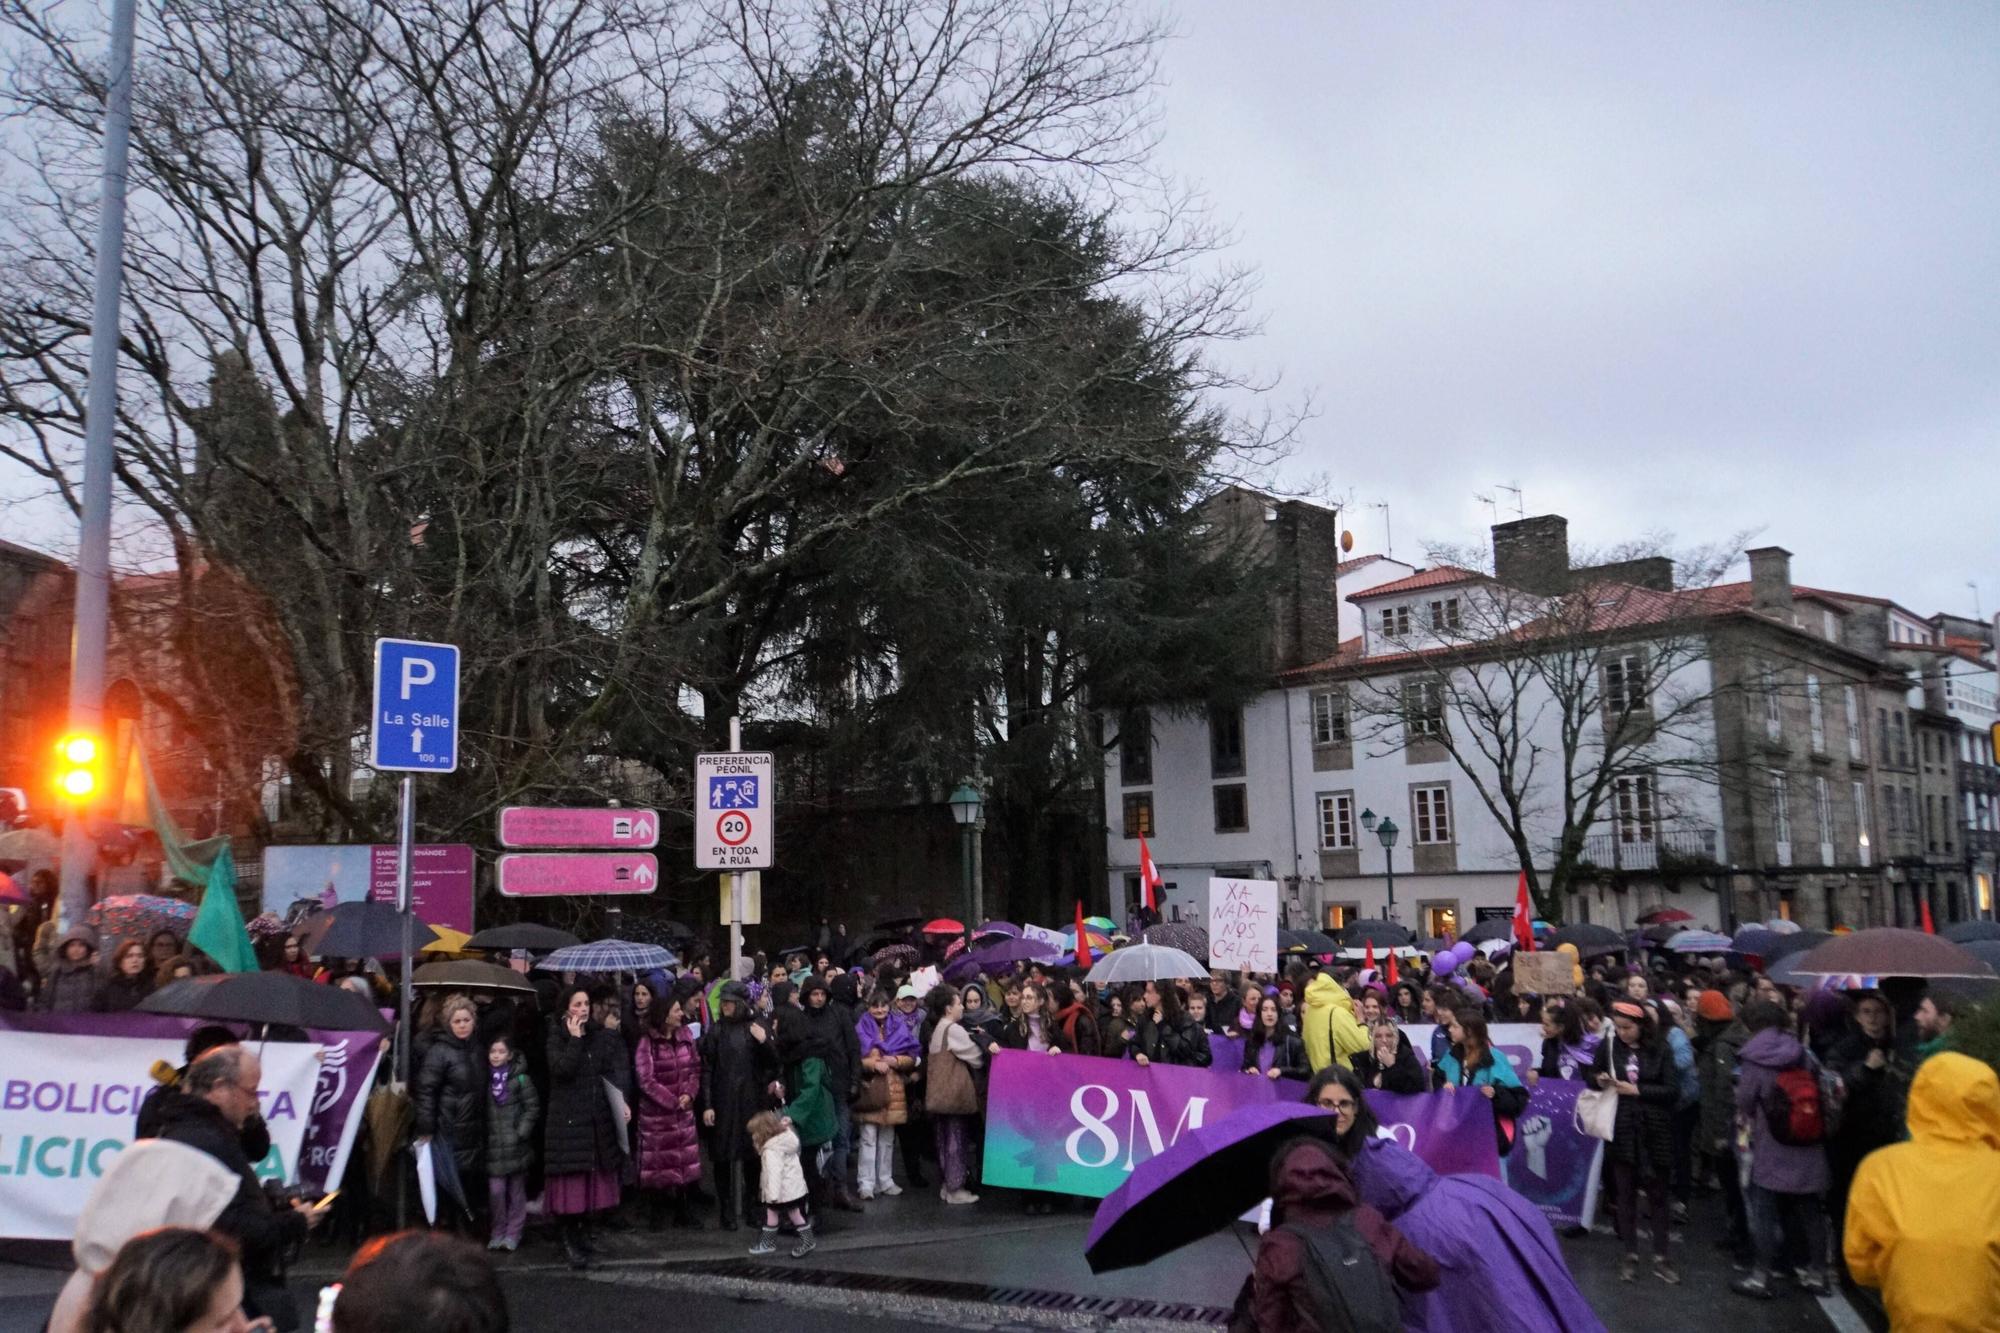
[[414, 725]]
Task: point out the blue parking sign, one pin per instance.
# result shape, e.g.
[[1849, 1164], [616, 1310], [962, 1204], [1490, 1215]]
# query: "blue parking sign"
[[415, 724]]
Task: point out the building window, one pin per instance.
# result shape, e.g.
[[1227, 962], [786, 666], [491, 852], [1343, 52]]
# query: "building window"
[[1625, 684], [1774, 714], [1861, 838], [1341, 915], [1892, 824], [1336, 821], [1135, 749], [1431, 813], [1815, 715], [1930, 821], [1632, 801], [1225, 742], [1329, 714], [1781, 807], [1439, 919], [1902, 732], [1823, 812], [1829, 626], [1396, 622], [1138, 814], [1911, 816], [1444, 615], [1232, 808], [1853, 721], [1423, 706]]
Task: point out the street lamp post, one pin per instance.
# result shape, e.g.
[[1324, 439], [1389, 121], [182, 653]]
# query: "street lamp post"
[[965, 808], [1385, 832]]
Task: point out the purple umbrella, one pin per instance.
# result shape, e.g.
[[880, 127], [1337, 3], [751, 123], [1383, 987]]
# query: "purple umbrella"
[[1210, 1176], [1015, 951], [1007, 928]]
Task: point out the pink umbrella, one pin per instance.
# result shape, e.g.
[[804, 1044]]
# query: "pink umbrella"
[[10, 892]]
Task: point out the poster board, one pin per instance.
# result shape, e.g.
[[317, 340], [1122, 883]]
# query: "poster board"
[[1243, 924], [1543, 974]]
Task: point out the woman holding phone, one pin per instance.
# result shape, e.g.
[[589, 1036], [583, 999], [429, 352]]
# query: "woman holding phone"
[[1635, 1064]]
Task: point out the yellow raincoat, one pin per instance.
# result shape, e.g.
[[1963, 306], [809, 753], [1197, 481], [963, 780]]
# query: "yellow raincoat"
[[1923, 1218], [1327, 1022]]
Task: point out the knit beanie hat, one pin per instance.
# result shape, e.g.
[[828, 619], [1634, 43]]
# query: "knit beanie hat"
[[1714, 1005]]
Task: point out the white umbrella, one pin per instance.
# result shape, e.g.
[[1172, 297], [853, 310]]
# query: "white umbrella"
[[1145, 962], [1782, 926]]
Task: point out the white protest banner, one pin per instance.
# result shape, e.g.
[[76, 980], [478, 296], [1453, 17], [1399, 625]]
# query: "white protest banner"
[[1243, 924], [67, 1107], [1043, 935]]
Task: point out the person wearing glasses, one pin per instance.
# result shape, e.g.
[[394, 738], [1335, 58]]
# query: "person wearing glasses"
[[1501, 1266], [220, 1097]]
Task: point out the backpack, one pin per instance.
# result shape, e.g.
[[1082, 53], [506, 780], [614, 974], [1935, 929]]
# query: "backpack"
[[1346, 1289], [1794, 1110]]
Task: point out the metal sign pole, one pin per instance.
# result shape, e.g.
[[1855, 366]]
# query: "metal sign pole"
[[406, 826], [735, 876]]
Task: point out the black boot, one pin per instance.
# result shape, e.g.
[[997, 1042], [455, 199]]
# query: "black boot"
[[726, 1194], [572, 1233], [684, 1216], [656, 1211]]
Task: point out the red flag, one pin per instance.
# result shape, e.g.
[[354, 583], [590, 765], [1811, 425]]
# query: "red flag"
[[1930, 928], [1149, 875], [1524, 917], [1371, 955], [1393, 978], [1082, 944]]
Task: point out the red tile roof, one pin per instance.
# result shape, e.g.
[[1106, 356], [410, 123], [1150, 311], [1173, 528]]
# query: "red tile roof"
[[1358, 562], [1443, 576]]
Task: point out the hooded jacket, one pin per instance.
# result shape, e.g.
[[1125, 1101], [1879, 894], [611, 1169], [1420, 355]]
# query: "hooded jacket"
[[1332, 1033], [1313, 1190], [1779, 1167], [71, 987], [1500, 1267], [1716, 1044], [1921, 1215]]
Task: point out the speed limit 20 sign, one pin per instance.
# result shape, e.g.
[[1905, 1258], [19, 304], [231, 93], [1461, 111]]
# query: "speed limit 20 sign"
[[732, 817]]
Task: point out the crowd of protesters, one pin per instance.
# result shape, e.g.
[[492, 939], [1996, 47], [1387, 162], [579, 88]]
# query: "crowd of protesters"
[[821, 1082]]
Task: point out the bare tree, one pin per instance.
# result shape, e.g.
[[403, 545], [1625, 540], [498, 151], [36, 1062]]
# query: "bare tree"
[[1593, 693]]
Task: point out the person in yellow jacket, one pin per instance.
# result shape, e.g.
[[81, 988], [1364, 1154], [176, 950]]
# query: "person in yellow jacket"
[[1327, 1022], [1923, 1217]]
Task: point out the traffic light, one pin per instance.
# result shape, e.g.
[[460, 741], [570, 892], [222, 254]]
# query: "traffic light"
[[79, 767]]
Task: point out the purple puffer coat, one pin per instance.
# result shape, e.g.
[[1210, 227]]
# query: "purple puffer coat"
[[668, 1069]]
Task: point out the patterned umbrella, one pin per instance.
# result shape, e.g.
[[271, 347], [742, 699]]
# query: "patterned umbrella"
[[1700, 941], [1661, 916], [266, 925], [902, 955], [1191, 940], [608, 956], [1103, 923], [132, 915]]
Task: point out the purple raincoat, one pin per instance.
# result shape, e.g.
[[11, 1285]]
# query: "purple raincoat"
[[894, 1036], [1503, 1271]]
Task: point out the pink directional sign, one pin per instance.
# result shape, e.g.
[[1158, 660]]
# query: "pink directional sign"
[[547, 875], [540, 826]]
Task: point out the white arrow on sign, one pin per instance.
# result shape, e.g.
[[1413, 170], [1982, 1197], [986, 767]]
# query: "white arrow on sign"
[[416, 739], [644, 875], [642, 830]]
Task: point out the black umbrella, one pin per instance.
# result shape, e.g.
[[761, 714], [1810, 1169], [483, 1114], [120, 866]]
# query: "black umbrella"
[[1588, 937], [362, 930], [522, 935], [267, 997], [1797, 942], [470, 974], [1304, 941], [1493, 928], [1971, 932], [1381, 934]]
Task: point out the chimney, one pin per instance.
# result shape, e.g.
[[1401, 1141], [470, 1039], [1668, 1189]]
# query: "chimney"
[[1532, 553], [1771, 581]]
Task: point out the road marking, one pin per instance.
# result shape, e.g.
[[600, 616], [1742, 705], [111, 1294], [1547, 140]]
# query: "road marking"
[[1843, 1317]]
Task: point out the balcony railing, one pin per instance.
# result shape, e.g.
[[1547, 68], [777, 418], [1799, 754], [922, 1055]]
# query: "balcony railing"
[[1646, 850]]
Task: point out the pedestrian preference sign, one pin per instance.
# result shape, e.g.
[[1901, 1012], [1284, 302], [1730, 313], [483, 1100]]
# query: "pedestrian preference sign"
[[732, 811]]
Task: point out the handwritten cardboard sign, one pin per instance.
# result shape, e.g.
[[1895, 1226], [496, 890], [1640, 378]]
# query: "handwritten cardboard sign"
[[1243, 924], [1543, 974]]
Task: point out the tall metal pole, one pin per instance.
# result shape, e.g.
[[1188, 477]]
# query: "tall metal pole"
[[1389, 860], [406, 829], [978, 871], [735, 876], [91, 618]]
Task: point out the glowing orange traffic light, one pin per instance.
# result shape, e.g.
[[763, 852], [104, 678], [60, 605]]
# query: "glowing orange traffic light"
[[77, 777]]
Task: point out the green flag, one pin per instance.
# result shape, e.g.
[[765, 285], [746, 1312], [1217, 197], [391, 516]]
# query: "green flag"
[[218, 927]]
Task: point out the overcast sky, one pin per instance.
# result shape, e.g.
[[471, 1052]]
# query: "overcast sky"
[[1692, 266], [1689, 267]]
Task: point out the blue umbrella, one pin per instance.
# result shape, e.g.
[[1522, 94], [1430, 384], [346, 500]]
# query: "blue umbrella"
[[1210, 1176], [607, 956], [1756, 941], [1700, 941]]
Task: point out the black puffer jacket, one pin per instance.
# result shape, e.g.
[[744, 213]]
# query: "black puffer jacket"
[[1645, 1128], [119, 993], [1288, 1054], [580, 1137], [449, 1085], [1182, 1042]]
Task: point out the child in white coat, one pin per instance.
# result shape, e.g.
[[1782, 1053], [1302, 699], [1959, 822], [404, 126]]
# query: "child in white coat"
[[783, 1182]]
